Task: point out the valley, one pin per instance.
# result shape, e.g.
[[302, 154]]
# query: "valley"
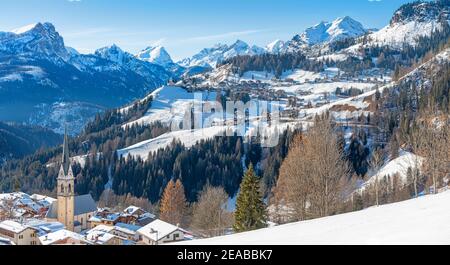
[[327, 125]]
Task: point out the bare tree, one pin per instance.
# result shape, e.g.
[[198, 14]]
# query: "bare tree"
[[434, 145], [210, 217], [311, 175], [7, 208]]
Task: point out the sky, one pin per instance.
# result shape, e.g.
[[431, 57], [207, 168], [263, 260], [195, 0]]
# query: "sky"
[[184, 27]]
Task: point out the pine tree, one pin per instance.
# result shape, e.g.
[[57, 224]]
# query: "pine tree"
[[250, 209], [173, 203]]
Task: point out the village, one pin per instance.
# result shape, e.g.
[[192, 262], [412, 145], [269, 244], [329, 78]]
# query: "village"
[[73, 219]]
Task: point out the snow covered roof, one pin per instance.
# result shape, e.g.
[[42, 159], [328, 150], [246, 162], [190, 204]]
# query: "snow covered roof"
[[39, 197], [13, 226], [162, 228], [127, 228], [102, 228], [131, 209], [60, 235], [44, 227], [5, 241], [100, 234]]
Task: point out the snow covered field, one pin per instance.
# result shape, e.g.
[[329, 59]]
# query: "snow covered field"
[[398, 166], [170, 103], [425, 220], [186, 137], [320, 88]]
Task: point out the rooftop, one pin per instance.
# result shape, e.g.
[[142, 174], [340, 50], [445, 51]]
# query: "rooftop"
[[13, 226], [59, 235], [163, 229]]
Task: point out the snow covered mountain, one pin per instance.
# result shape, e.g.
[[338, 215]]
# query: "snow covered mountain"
[[339, 29], [209, 57], [157, 55], [52, 83], [412, 21], [39, 40], [277, 46], [322, 33]]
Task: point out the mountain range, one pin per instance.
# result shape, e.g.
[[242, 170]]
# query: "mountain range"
[[43, 82], [37, 73]]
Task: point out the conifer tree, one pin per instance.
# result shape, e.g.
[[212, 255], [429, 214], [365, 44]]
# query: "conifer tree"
[[173, 203], [250, 209]]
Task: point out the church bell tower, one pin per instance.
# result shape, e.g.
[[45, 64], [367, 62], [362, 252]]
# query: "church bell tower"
[[65, 188]]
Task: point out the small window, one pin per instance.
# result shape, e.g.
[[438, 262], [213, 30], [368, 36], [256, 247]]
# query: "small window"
[[70, 188], [62, 188]]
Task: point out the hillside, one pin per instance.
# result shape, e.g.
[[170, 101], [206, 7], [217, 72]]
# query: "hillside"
[[16, 140], [418, 221]]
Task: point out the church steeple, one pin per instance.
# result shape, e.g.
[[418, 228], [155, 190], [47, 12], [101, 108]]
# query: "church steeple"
[[66, 188], [65, 155]]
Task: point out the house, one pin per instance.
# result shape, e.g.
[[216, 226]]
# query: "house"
[[136, 216], [18, 233], [103, 218], [127, 231], [63, 237], [160, 232], [42, 227], [19, 204], [103, 235]]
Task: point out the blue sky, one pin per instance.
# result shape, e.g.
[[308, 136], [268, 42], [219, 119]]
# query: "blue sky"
[[186, 26]]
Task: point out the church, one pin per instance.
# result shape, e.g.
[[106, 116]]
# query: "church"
[[70, 210]]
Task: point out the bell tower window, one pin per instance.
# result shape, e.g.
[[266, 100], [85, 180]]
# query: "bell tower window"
[[62, 188]]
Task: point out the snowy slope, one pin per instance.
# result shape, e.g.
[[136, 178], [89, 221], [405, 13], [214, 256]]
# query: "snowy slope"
[[398, 166], [397, 34], [419, 221], [410, 22], [186, 137], [170, 103]]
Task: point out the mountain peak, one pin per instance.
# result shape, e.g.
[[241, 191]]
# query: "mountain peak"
[[422, 11], [277, 46], [113, 53], [25, 28], [340, 28], [40, 39], [155, 54], [209, 57], [38, 27]]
